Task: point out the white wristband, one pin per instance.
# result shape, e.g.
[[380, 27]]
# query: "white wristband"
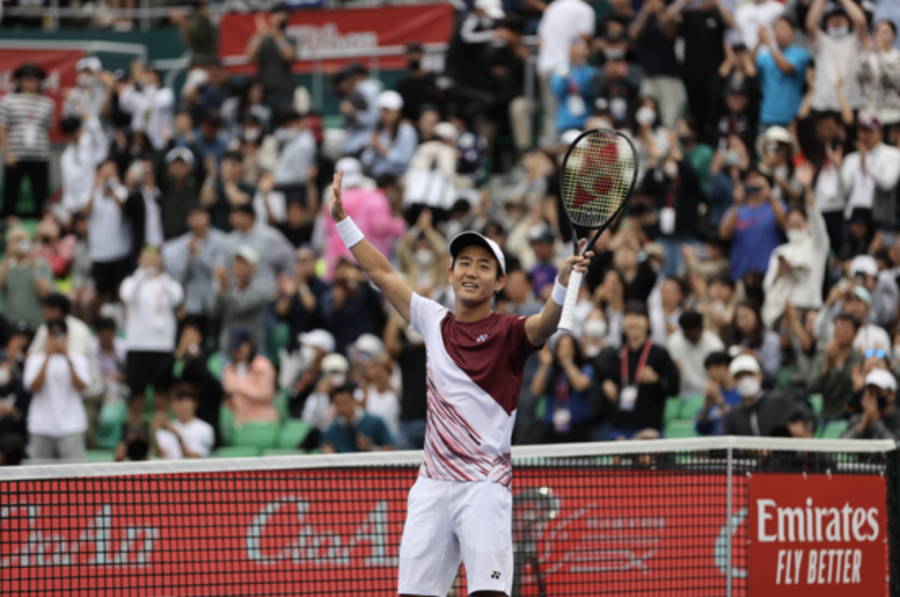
[[350, 233], [559, 293]]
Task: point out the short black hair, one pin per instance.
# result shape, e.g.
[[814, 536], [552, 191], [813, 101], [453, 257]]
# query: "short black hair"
[[57, 326], [184, 390], [344, 388], [724, 280], [852, 319], [69, 125], [787, 20], [234, 156], [212, 118], [716, 359], [799, 414], [386, 180], [635, 307], [889, 23], [59, 301], [690, 320], [799, 209], [105, 323]]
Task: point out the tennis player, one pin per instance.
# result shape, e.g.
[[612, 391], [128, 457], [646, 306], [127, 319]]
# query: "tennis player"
[[460, 508]]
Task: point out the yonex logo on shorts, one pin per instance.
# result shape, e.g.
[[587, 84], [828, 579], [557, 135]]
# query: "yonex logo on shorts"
[[481, 338], [495, 575]]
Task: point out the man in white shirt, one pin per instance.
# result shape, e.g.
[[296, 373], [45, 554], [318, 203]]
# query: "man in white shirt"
[[836, 52], [187, 436], [87, 147], [689, 348], [56, 416], [561, 21], [869, 175], [750, 16]]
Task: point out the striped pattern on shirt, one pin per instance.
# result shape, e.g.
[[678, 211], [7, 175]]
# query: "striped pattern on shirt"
[[18, 111]]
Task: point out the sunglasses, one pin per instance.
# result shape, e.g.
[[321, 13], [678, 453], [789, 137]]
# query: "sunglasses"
[[875, 352]]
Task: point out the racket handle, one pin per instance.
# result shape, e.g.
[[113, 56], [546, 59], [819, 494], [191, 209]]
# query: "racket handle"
[[568, 312]]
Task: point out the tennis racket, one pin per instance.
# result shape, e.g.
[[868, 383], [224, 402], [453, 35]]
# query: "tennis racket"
[[597, 177]]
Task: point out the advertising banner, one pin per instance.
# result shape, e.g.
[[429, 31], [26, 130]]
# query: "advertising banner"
[[336, 37], [818, 535]]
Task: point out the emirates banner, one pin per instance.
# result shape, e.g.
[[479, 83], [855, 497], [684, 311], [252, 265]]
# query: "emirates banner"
[[59, 64], [335, 37], [817, 535]]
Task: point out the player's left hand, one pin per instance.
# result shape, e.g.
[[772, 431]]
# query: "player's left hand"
[[575, 261]]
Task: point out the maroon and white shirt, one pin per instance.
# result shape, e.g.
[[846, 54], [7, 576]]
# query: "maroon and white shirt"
[[474, 374]]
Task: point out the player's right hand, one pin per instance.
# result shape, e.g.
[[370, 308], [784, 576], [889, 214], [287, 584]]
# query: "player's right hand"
[[335, 202]]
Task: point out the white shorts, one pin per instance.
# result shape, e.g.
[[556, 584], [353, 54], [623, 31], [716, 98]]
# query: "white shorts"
[[449, 521]]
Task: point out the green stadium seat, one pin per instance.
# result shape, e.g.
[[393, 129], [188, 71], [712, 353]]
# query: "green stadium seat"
[[293, 432], [100, 456], [281, 405], [281, 452], [816, 401], [226, 425], [834, 430], [673, 409], [112, 418], [680, 429], [257, 435], [237, 452], [690, 405]]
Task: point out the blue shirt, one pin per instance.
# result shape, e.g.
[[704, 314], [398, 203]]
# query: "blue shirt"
[[715, 418], [756, 234], [400, 151], [343, 437], [215, 147], [577, 82], [782, 92]]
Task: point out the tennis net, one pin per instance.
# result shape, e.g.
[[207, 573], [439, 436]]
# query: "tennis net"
[[624, 518]]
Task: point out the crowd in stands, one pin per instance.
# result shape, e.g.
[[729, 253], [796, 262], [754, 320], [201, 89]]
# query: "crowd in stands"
[[186, 267]]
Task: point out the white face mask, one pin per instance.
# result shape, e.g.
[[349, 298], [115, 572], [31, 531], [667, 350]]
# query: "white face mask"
[[748, 386], [594, 329], [86, 79], [251, 134], [670, 169], [838, 32], [424, 257], [796, 236], [5, 376], [645, 116]]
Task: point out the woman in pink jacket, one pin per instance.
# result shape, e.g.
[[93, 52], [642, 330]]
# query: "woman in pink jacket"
[[248, 381]]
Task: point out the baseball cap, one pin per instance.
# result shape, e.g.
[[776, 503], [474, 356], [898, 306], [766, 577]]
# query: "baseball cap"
[[541, 234], [390, 100], [248, 254], [862, 294], [881, 379], [91, 63], [655, 250], [864, 264], [744, 364], [470, 237], [352, 171], [321, 339], [871, 122], [335, 363], [238, 337], [492, 8], [367, 344], [180, 153], [568, 137]]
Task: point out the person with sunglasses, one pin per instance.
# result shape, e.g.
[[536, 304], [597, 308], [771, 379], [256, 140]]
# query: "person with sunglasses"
[[878, 419], [832, 369]]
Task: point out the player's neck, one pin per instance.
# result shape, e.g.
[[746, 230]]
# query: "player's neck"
[[472, 314]]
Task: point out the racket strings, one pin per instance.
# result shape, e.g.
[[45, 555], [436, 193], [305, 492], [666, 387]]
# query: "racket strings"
[[598, 174]]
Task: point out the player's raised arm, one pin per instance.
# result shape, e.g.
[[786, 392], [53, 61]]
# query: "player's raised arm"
[[543, 325], [369, 258]]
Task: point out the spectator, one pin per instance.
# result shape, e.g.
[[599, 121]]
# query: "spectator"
[[299, 296], [247, 110], [560, 22], [190, 259], [377, 393], [759, 413], [248, 380], [756, 20], [149, 103], [650, 377], [241, 298], [655, 36], [618, 82], [690, 346], [832, 369], [359, 106], [826, 154], [544, 271], [274, 53], [352, 308], [782, 71], [25, 279], [83, 294], [187, 436], [799, 342], [273, 251], [881, 285], [879, 74], [134, 447], [651, 140], [519, 294], [150, 298], [221, 192], [776, 150], [109, 232], [572, 84], [754, 339], [296, 167], [353, 429], [56, 416], [565, 378], [796, 269], [720, 394], [432, 172], [14, 401], [111, 355], [419, 86], [856, 301], [593, 335], [26, 117], [197, 30], [753, 224], [210, 138], [393, 142], [869, 175], [507, 59], [698, 153], [878, 419], [407, 347], [313, 364], [142, 206], [85, 150], [89, 98], [837, 53], [739, 115], [179, 190]]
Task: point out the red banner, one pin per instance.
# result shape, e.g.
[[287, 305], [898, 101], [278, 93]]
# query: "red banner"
[[818, 535], [323, 531], [340, 36], [61, 76]]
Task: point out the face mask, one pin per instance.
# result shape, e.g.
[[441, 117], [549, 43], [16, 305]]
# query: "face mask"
[[5, 376], [748, 386], [251, 134], [838, 32], [796, 236], [86, 80], [24, 247], [595, 329], [731, 158], [670, 169], [424, 257], [645, 116]]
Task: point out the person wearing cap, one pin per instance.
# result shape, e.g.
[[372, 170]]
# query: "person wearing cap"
[[878, 419], [190, 259], [297, 165], [25, 278], [303, 371], [248, 380], [857, 301], [274, 53], [180, 187], [759, 413], [836, 51], [241, 298], [777, 149], [150, 297], [419, 86], [359, 107], [393, 143], [91, 94], [881, 285], [754, 224], [317, 410], [476, 359], [879, 70], [86, 147], [832, 370], [870, 174], [26, 117], [782, 70]]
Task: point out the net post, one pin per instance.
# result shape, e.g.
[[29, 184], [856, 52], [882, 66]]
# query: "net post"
[[893, 512], [729, 470]]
